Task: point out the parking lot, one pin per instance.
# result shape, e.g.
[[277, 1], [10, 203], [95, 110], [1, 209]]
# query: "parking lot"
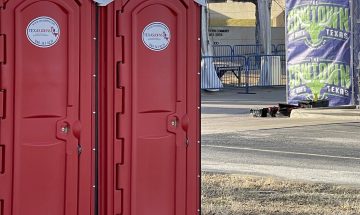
[[318, 150]]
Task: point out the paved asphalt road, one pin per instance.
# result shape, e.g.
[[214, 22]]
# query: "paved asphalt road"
[[318, 151]]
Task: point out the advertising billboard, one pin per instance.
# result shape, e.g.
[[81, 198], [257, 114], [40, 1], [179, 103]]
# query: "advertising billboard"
[[319, 51]]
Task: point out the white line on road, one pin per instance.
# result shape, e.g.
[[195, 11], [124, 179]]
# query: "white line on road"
[[281, 152], [328, 130]]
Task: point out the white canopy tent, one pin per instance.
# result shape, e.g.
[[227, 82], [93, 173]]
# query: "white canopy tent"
[[209, 78], [264, 7], [264, 11]]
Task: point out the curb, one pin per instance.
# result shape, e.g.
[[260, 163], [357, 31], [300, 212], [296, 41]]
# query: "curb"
[[339, 114]]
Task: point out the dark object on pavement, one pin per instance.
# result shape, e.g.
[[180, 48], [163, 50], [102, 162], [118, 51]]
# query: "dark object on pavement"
[[273, 111], [262, 112], [314, 104], [285, 109]]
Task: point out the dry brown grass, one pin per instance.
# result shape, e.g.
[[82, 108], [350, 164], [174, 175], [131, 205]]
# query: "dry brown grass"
[[224, 194]]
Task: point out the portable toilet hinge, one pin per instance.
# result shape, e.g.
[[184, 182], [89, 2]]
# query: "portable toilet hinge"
[[187, 142], [2, 49], [2, 104]]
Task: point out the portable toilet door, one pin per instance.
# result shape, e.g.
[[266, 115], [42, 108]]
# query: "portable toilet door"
[[150, 64], [46, 50]]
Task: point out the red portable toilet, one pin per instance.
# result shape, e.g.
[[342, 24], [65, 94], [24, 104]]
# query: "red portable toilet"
[[146, 135], [150, 107], [46, 68]]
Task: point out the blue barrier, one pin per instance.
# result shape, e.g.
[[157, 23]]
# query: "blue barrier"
[[280, 49], [266, 70], [251, 49], [231, 70], [248, 49], [246, 71], [223, 50]]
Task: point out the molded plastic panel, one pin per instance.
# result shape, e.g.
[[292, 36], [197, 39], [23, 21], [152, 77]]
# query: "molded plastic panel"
[[48, 109], [150, 63]]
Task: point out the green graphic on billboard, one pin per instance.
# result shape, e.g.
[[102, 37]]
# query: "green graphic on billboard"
[[318, 34], [316, 23], [318, 80]]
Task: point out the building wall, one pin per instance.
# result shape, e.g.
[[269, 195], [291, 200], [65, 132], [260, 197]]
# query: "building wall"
[[243, 14], [229, 35]]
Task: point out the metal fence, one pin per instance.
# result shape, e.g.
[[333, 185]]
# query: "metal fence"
[[247, 71], [223, 50], [280, 49], [227, 50], [248, 49], [266, 70], [229, 69]]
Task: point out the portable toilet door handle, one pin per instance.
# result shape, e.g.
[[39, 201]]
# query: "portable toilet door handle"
[[172, 123], [65, 129], [62, 130]]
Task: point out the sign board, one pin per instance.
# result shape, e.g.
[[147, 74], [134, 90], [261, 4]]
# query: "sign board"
[[156, 36], [319, 62], [43, 32]]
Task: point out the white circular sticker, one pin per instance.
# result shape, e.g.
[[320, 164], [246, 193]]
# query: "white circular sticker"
[[43, 32], [156, 36]]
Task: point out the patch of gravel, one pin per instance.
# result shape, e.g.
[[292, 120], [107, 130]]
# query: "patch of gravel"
[[225, 194]]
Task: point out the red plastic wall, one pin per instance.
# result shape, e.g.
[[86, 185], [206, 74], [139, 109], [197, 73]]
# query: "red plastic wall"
[[150, 109], [46, 107]]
